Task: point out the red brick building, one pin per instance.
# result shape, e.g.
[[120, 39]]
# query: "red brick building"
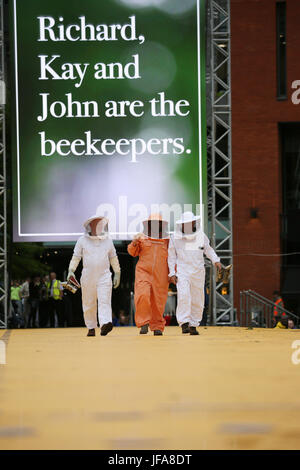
[[265, 51]]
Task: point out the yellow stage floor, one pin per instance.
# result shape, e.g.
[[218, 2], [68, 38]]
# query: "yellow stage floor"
[[229, 388]]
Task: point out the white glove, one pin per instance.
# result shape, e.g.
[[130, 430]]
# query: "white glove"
[[117, 279], [70, 274], [73, 264], [138, 236], [114, 262]]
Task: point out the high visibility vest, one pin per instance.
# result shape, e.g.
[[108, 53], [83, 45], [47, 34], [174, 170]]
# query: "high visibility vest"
[[15, 293], [276, 311], [55, 289], [280, 325]]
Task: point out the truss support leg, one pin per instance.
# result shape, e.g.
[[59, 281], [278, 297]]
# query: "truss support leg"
[[219, 152]]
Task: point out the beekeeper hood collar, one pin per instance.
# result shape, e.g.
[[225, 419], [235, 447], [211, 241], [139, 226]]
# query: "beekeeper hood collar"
[[152, 224], [187, 219], [102, 226]]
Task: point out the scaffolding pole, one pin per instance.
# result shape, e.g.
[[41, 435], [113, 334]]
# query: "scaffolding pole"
[[3, 214], [218, 83]]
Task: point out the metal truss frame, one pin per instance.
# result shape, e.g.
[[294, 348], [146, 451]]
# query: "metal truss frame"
[[3, 184], [218, 84]]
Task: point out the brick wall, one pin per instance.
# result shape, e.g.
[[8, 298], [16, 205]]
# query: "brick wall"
[[255, 142]]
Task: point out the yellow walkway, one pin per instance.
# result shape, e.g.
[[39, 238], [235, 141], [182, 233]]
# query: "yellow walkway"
[[229, 388]]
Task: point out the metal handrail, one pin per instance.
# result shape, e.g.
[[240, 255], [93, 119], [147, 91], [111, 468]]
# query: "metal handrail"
[[256, 310], [273, 304]]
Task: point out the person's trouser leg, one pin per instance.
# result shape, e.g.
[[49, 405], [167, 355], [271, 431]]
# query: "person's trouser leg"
[[204, 317], [68, 310], [47, 313], [60, 313], [20, 313], [158, 300], [104, 289], [142, 295], [26, 311], [51, 303], [197, 299], [15, 307], [89, 304], [34, 309], [38, 314], [14, 317], [15, 313], [19, 307], [42, 314], [29, 322], [183, 310]]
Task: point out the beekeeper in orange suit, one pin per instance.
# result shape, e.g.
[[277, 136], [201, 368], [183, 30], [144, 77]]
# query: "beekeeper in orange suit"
[[151, 275]]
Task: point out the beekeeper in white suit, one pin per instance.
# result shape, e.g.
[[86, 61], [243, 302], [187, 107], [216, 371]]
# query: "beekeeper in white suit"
[[97, 251], [186, 249]]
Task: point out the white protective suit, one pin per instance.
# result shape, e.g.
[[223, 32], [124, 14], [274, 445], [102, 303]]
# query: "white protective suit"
[[186, 251], [97, 253]]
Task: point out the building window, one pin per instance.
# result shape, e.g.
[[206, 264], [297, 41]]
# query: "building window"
[[290, 157], [290, 154], [290, 232], [281, 50]]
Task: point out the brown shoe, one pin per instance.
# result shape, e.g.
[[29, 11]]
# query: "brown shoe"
[[91, 332], [144, 330], [106, 328], [158, 333], [193, 331]]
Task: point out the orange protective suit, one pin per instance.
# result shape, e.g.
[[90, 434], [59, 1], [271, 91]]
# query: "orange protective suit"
[[151, 281]]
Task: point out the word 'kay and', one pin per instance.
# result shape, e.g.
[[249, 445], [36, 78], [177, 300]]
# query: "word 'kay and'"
[[52, 67]]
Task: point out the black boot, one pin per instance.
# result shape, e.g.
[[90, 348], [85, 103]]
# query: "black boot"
[[144, 330], [91, 332], [185, 328], [193, 330], [106, 328], [158, 333]]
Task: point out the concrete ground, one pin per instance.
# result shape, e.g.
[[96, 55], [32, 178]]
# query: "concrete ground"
[[229, 388]]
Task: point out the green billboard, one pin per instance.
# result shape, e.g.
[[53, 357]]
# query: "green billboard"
[[109, 99]]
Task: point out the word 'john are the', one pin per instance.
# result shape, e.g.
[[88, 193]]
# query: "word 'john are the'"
[[71, 108]]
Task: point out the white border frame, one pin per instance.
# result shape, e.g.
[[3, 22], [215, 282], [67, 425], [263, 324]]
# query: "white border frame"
[[118, 234]]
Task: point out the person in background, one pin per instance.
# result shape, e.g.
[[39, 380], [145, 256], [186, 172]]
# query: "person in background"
[[206, 304], [277, 299], [44, 303], [15, 298], [170, 308], [115, 320], [291, 324], [282, 322], [55, 293], [34, 301], [24, 292], [68, 307], [123, 318]]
